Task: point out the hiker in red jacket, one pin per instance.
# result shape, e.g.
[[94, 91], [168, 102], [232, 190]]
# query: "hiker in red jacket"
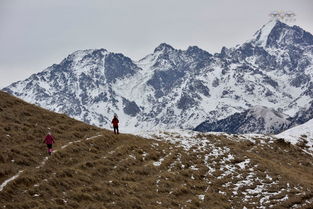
[[49, 140], [115, 124]]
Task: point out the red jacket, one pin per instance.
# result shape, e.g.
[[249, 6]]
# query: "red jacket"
[[49, 139], [115, 122]]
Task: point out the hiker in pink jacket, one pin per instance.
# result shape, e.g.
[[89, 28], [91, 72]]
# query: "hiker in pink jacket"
[[49, 140]]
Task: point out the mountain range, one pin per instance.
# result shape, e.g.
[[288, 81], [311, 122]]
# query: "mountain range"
[[172, 88]]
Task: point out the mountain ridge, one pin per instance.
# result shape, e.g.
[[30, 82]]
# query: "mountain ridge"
[[173, 88]]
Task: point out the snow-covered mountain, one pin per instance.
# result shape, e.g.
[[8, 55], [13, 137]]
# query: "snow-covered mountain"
[[258, 119], [173, 88]]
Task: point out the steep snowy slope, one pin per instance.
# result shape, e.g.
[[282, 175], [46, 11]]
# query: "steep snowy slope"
[[302, 134], [172, 88]]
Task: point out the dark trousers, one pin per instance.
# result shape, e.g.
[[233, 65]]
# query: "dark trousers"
[[115, 129], [49, 148]]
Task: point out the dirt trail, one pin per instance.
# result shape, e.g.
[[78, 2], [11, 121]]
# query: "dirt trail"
[[42, 163]]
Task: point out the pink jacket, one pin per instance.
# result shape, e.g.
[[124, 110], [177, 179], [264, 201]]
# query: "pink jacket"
[[49, 139]]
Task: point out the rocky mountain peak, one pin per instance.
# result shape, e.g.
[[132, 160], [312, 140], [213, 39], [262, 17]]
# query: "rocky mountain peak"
[[262, 35], [80, 54], [277, 34], [164, 47], [196, 52]]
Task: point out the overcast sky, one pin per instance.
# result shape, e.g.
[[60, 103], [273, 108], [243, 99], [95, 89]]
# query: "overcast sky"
[[35, 34]]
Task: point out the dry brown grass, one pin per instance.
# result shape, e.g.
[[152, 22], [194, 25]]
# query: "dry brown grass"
[[22, 129]]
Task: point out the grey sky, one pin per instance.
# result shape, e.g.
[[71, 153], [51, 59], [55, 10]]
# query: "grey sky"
[[35, 34]]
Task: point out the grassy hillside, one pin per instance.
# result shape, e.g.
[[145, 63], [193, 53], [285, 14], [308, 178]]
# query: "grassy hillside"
[[93, 168], [23, 128]]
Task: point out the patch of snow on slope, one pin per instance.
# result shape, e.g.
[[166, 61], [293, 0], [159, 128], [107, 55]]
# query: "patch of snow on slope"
[[185, 138], [9, 180]]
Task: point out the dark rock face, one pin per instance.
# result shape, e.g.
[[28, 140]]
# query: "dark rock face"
[[118, 66], [130, 108], [300, 80], [165, 80], [185, 102], [199, 87]]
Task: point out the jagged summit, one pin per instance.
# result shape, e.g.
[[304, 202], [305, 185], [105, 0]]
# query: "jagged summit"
[[196, 52], [261, 36], [164, 47], [88, 51], [276, 34], [84, 54], [194, 49]]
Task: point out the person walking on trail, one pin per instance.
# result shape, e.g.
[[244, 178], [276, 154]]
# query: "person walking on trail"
[[115, 124], [49, 140]]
